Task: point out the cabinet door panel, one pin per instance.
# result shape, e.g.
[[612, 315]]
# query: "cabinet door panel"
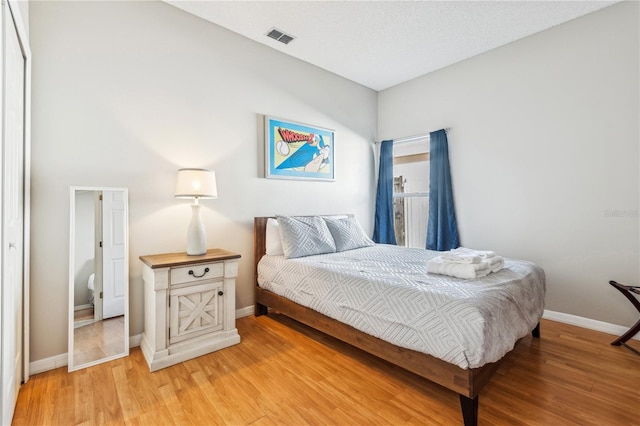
[[195, 310]]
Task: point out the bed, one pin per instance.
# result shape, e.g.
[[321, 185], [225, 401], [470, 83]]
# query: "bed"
[[509, 306]]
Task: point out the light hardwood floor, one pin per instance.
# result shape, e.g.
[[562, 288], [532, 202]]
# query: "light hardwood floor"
[[284, 373], [98, 340]]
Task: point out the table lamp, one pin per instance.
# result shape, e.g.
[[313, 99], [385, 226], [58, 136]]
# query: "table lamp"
[[196, 184]]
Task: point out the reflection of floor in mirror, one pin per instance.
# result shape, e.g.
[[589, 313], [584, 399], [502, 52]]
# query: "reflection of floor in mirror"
[[83, 314], [98, 340]]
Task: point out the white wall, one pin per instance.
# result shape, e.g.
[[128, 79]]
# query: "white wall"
[[125, 93], [544, 153]]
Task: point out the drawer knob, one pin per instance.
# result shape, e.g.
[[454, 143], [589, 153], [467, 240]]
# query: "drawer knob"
[[220, 293], [198, 276]]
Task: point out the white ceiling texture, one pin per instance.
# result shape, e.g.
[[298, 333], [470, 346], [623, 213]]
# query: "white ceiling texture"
[[383, 43]]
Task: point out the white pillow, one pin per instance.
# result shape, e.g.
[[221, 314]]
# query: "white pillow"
[[336, 216], [272, 235], [305, 236]]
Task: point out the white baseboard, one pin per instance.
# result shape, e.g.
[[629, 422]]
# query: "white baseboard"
[[587, 323], [245, 312], [61, 360], [81, 307], [47, 364], [57, 361], [135, 340]]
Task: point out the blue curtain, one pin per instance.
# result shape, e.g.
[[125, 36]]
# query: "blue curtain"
[[383, 232], [442, 228]]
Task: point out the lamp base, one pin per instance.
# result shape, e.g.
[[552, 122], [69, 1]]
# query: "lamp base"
[[196, 234]]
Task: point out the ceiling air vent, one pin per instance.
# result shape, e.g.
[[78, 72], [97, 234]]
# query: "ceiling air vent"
[[280, 36]]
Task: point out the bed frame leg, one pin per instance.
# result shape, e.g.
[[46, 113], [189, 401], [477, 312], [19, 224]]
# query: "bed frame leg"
[[261, 309], [469, 410], [536, 331]]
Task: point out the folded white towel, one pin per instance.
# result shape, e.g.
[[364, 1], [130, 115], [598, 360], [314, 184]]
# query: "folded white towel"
[[438, 265], [495, 263], [460, 258], [485, 254]]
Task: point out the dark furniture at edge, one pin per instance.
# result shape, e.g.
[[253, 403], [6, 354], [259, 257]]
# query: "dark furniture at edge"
[[626, 290]]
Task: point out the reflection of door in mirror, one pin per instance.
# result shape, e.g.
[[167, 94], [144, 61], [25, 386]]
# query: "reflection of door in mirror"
[[98, 284], [85, 257]]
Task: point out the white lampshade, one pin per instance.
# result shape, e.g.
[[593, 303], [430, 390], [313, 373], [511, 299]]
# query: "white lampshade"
[[196, 183]]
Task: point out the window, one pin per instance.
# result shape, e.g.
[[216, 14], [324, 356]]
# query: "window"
[[411, 191]]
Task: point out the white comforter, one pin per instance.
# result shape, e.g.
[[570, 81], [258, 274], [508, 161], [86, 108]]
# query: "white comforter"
[[386, 291]]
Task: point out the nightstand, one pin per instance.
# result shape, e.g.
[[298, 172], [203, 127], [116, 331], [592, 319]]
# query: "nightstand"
[[189, 305]]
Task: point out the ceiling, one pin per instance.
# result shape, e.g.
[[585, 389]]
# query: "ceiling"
[[383, 43]]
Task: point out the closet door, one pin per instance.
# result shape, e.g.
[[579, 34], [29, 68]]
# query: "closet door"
[[13, 178]]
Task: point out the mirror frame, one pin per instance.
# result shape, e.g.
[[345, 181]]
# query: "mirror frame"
[[72, 231]]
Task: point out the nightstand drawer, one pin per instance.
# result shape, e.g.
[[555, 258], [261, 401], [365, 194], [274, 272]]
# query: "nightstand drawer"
[[199, 272]]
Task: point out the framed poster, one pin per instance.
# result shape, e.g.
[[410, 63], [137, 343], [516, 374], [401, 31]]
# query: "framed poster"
[[298, 151]]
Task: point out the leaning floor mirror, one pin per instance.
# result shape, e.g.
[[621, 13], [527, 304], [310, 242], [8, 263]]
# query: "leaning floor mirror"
[[98, 276]]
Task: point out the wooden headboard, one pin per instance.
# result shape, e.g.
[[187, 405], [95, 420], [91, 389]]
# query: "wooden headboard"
[[259, 242]]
